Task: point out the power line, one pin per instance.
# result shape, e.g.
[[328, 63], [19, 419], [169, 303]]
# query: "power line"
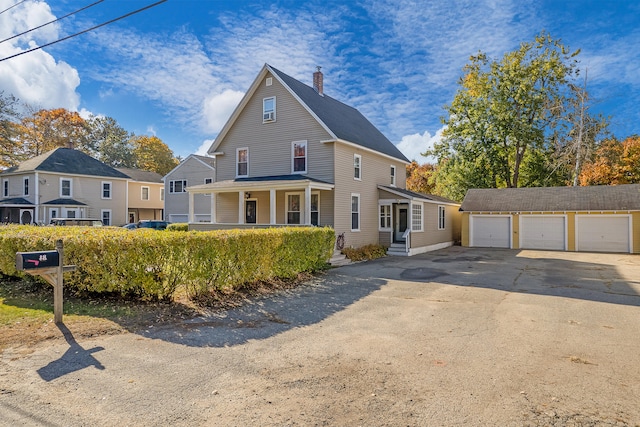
[[51, 22], [11, 7], [85, 31]]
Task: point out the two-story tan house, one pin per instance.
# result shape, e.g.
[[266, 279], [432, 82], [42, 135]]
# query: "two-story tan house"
[[145, 195], [292, 155]]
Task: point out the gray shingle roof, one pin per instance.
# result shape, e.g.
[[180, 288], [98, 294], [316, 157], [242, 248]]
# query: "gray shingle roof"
[[65, 202], [416, 195], [15, 201], [140, 175], [549, 199], [211, 161], [68, 161], [346, 122]]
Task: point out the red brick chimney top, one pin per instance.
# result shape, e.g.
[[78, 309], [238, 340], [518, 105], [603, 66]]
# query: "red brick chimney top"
[[317, 80]]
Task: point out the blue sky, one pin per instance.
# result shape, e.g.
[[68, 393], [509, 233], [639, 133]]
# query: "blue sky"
[[178, 70]]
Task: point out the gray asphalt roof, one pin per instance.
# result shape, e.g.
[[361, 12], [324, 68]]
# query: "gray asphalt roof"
[[345, 122], [65, 202], [140, 175], [66, 160], [15, 201], [417, 195], [547, 199], [293, 177]]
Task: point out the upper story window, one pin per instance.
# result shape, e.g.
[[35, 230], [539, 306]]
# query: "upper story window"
[[416, 217], [393, 176], [162, 194], [145, 193], [208, 180], [66, 189], [5, 188], [357, 167], [441, 216], [26, 186], [299, 157], [242, 162], [106, 190], [269, 110], [178, 186]]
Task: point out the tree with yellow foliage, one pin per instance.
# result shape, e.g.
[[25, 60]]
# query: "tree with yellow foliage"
[[153, 155]]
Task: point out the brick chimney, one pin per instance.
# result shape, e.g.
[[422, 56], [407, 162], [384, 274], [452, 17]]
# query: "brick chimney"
[[317, 80]]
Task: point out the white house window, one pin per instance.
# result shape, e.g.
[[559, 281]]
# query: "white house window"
[[416, 217], [441, 216], [26, 186], [65, 187], [393, 176], [269, 81], [106, 190], [269, 109], [106, 216], [385, 217], [315, 209], [299, 157], [53, 213], [145, 193], [294, 209], [5, 188], [355, 212], [357, 165], [178, 186], [208, 180], [242, 161], [162, 194]]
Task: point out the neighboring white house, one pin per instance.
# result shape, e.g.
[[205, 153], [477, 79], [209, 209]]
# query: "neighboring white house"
[[194, 170]]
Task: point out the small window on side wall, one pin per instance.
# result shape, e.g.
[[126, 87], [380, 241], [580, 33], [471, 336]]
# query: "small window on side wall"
[[242, 162], [357, 167], [299, 157], [393, 176], [441, 217], [269, 110], [355, 212]]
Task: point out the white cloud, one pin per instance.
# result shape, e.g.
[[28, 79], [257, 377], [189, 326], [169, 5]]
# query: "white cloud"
[[218, 108], [412, 146], [36, 77], [204, 147]]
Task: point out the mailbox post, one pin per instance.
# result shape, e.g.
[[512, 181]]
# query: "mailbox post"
[[47, 264]]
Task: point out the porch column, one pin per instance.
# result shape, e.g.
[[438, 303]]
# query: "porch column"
[[213, 208], [191, 206], [240, 207], [307, 205], [272, 206]]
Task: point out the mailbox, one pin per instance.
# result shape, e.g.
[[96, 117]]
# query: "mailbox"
[[37, 260]]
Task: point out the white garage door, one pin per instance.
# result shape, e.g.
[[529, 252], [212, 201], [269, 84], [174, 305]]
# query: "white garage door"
[[603, 233], [488, 231], [542, 232]]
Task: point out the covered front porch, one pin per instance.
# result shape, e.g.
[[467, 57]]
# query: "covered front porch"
[[264, 202]]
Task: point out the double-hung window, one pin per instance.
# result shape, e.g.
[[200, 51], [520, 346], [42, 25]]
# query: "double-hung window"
[[5, 188], [385, 217], [144, 193], [106, 189], [416, 217], [355, 212], [106, 216], [178, 186], [357, 167], [242, 162], [441, 216], [393, 176], [315, 209], [294, 208], [66, 189], [299, 157], [26, 186], [269, 110]]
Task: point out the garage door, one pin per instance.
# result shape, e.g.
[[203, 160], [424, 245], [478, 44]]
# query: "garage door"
[[602, 233], [489, 231], [542, 232]]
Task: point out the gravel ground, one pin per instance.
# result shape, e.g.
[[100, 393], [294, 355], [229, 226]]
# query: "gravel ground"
[[454, 337]]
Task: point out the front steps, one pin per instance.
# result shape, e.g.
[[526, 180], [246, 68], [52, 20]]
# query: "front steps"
[[397, 249]]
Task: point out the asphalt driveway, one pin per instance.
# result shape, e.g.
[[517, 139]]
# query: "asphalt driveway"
[[454, 337]]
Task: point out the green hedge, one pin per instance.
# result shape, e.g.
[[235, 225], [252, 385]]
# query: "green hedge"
[[178, 226], [150, 264]]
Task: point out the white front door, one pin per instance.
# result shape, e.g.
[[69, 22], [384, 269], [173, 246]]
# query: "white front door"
[[400, 222]]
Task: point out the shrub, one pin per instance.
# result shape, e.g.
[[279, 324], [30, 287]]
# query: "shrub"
[[152, 265], [366, 252], [178, 226]]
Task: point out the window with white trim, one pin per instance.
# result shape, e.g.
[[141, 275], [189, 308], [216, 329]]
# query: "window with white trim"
[[106, 189], [315, 209], [162, 193], [106, 216], [178, 186], [5, 188], [416, 216], [66, 189], [385, 218], [208, 180], [441, 216], [269, 110], [357, 167], [242, 162], [294, 208], [26, 186], [144, 193], [299, 157], [355, 212], [393, 176]]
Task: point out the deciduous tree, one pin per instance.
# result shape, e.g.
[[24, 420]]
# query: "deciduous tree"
[[419, 177], [110, 143], [614, 163], [49, 129], [9, 149], [153, 155]]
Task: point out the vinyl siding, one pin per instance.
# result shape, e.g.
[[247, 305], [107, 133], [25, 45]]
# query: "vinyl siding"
[[375, 170], [430, 234], [270, 143], [195, 172]]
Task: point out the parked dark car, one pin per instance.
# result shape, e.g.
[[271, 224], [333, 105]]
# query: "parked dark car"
[[156, 225]]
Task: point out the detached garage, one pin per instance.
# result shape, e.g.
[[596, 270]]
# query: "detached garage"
[[590, 219]]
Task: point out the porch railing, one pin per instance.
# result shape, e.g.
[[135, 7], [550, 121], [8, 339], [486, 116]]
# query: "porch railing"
[[407, 239]]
